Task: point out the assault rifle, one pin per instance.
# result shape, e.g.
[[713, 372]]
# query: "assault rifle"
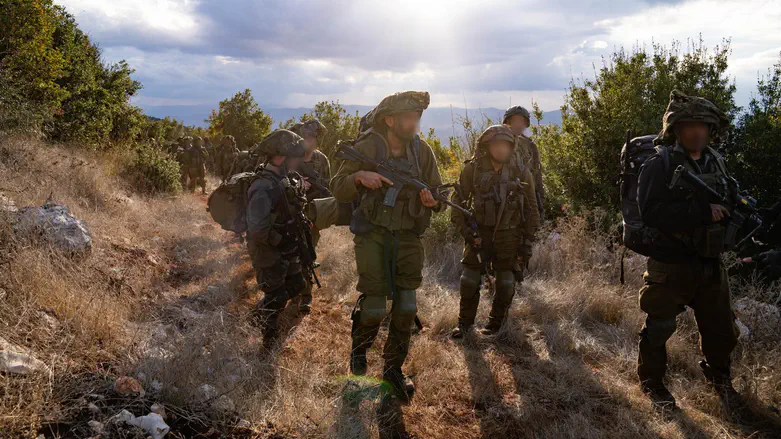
[[483, 256], [399, 177], [303, 235], [743, 218], [313, 178]]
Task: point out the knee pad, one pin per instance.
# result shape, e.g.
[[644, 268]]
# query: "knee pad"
[[405, 309], [658, 331], [470, 283], [505, 282], [371, 310], [295, 284]]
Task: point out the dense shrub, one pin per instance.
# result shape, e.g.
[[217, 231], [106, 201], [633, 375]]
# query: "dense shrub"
[[152, 171], [241, 117]]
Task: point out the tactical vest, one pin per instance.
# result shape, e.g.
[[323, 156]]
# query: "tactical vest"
[[522, 151], [497, 196], [707, 240], [293, 190], [408, 213]]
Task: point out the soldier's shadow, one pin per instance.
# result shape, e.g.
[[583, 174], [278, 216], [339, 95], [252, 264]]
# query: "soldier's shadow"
[[554, 389]]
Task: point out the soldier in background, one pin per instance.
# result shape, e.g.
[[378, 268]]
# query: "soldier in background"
[[225, 157], [196, 168], [182, 155], [272, 244], [519, 120], [499, 241], [316, 171]]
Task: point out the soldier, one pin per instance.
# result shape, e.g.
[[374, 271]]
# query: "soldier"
[[500, 236], [196, 169], [226, 156], [316, 171], [182, 155], [686, 269], [272, 244], [388, 249], [210, 153], [518, 119]]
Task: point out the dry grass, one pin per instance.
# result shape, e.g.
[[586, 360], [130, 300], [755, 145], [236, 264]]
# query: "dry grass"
[[563, 366]]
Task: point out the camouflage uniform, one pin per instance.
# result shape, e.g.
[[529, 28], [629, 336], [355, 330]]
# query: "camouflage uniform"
[[272, 244], [196, 166], [689, 272], [390, 256], [528, 154], [505, 219], [318, 172], [182, 155], [211, 153], [225, 158]]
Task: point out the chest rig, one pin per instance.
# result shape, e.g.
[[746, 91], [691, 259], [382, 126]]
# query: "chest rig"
[[288, 188], [389, 207], [711, 240], [497, 196]]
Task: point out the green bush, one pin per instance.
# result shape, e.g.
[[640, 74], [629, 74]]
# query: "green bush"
[[153, 171]]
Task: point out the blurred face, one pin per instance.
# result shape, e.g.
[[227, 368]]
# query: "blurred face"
[[404, 125], [311, 143], [518, 124], [693, 136], [293, 163], [500, 150]]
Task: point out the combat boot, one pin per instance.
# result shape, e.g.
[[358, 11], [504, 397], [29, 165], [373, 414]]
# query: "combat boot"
[[401, 386], [492, 328], [722, 383], [660, 397], [358, 363], [305, 304], [460, 331]]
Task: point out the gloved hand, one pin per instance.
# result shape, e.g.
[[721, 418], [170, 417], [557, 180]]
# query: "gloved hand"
[[288, 246], [524, 254], [472, 237]]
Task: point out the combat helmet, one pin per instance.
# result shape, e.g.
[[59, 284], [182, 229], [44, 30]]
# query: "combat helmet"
[[512, 111], [281, 143], [197, 141], [310, 128], [229, 138], [683, 108], [400, 102]]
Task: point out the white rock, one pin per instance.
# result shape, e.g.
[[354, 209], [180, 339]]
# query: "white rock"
[[16, 360], [243, 423], [156, 386], [207, 391], [762, 319], [51, 322], [744, 331], [7, 205], [94, 409], [97, 427], [123, 416], [152, 424], [55, 223]]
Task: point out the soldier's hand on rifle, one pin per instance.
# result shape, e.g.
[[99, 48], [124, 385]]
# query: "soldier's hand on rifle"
[[427, 198], [307, 184], [718, 212], [371, 180]]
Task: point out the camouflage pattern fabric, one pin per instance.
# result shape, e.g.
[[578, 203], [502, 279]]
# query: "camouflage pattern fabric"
[[683, 108], [281, 143], [400, 102], [512, 111], [310, 128]]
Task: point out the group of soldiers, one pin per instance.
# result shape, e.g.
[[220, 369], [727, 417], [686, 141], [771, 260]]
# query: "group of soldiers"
[[196, 155], [501, 188]]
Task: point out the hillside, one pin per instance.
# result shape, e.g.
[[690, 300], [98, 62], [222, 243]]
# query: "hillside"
[[439, 118], [165, 295]]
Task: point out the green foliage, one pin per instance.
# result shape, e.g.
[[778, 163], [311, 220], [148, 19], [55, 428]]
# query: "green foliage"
[[340, 125], [168, 130], [50, 67], [629, 93], [241, 117], [755, 154], [152, 171]]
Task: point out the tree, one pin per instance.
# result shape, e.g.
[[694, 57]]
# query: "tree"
[[756, 153], [629, 93], [242, 118], [340, 124]]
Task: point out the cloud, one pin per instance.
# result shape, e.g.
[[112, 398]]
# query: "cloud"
[[296, 52]]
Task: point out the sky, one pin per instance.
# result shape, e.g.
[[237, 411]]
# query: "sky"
[[485, 53]]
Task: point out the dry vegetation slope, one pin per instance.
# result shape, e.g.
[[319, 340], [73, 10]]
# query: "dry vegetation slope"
[[165, 297]]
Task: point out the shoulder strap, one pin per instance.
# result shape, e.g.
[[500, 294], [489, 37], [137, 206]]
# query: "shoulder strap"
[[416, 153], [719, 161], [664, 153]]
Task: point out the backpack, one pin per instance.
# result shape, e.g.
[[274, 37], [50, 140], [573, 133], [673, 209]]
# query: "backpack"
[[633, 154], [227, 205]]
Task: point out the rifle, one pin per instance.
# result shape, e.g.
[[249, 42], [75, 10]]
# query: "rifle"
[[306, 250], [743, 217], [399, 177], [482, 257]]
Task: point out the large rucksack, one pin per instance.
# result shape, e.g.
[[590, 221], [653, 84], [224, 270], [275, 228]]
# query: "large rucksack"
[[633, 154], [228, 203]]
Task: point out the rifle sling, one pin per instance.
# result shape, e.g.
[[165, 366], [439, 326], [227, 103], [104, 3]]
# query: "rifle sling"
[[502, 196]]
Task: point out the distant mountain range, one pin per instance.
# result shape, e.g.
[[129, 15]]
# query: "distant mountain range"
[[444, 120]]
